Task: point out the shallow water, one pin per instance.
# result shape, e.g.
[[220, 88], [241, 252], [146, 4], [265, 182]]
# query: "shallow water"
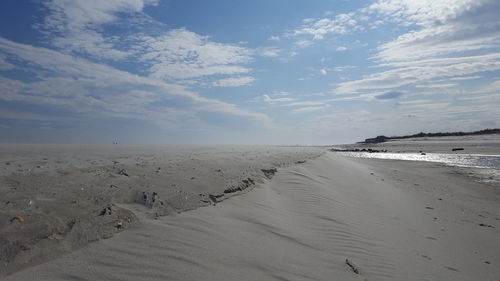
[[485, 167]]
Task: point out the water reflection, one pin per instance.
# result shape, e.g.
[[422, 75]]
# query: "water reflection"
[[487, 167]]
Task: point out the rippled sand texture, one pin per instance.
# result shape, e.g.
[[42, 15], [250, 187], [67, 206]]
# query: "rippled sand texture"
[[387, 219]]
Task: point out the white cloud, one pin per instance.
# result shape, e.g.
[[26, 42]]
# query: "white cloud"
[[79, 27], [181, 54], [422, 71], [305, 103], [102, 91], [303, 43], [492, 87], [278, 100], [435, 85], [309, 109], [323, 71], [442, 46], [271, 100], [436, 41], [341, 48], [74, 25], [343, 68], [466, 78], [318, 28], [442, 28], [345, 98], [422, 12], [280, 94], [437, 27], [234, 81], [4, 65], [274, 38], [268, 51]]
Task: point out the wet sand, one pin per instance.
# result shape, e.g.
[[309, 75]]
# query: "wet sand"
[[393, 220]]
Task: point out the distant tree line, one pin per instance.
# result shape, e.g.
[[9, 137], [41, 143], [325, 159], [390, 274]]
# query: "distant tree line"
[[379, 139]]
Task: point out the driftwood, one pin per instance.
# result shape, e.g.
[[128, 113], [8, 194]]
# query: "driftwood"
[[352, 266]]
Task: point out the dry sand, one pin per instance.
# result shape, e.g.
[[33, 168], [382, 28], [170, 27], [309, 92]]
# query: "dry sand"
[[393, 220], [58, 198]]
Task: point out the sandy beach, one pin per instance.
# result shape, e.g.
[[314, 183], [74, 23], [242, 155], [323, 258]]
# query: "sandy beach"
[[151, 140], [321, 216], [58, 198]]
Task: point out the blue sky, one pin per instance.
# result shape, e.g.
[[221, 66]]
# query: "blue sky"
[[245, 72]]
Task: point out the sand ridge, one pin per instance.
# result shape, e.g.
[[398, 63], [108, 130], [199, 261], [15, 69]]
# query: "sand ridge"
[[70, 195]]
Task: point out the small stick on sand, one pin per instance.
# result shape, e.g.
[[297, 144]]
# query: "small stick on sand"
[[352, 266], [123, 173]]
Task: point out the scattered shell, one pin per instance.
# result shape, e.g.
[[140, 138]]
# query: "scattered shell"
[[18, 218]]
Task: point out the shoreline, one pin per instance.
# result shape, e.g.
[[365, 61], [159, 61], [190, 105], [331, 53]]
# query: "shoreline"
[[383, 216], [383, 138], [484, 168], [484, 144]]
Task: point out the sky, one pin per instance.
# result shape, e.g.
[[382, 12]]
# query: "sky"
[[245, 72]]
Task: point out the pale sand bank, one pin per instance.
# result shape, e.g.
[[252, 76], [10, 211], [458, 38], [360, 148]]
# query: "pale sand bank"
[[395, 220], [56, 198]]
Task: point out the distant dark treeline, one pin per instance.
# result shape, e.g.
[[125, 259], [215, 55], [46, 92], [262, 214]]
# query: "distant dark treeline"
[[420, 135]]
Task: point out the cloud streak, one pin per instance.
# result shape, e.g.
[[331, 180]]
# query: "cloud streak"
[[319, 28], [74, 26], [446, 40], [95, 90], [234, 81], [79, 28], [181, 54], [422, 71]]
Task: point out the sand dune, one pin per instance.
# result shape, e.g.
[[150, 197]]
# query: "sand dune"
[[391, 222]]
